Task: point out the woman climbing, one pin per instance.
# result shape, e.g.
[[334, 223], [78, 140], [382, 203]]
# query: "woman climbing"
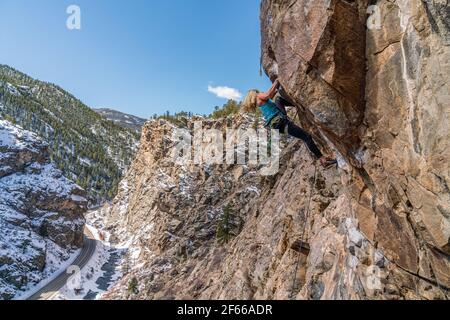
[[276, 118]]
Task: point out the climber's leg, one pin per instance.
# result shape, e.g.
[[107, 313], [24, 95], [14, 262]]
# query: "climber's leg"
[[282, 100], [285, 97], [299, 133]]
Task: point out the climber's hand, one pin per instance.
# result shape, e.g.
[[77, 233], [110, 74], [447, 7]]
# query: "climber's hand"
[[277, 83], [271, 93]]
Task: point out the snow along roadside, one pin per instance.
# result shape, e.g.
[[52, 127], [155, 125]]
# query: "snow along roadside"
[[62, 268], [86, 281]]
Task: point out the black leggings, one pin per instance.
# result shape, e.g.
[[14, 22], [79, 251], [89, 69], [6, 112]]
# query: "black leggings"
[[294, 130]]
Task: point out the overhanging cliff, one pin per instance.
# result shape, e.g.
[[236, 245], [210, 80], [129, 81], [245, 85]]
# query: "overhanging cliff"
[[317, 50], [379, 97]]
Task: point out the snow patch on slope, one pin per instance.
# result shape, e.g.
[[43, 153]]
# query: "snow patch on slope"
[[40, 216]]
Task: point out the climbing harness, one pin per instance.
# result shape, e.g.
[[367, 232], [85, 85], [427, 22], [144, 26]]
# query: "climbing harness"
[[302, 242]]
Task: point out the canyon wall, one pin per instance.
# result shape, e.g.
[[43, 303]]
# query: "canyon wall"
[[168, 215]]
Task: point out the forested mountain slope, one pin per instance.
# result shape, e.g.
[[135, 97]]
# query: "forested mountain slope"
[[122, 119], [89, 149]]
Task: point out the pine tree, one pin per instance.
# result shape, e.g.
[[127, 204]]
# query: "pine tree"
[[226, 225], [133, 286]]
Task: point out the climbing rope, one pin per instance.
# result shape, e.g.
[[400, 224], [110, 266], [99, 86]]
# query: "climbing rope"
[[260, 65], [304, 230], [435, 276]]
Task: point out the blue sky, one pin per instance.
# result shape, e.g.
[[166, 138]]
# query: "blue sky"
[[140, 56]]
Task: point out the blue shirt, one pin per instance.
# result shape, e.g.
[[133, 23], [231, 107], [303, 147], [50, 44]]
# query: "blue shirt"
[[269, 111]]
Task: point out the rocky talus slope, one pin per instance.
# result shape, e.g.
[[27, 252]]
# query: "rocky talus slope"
[[375, 227], [41, 212]]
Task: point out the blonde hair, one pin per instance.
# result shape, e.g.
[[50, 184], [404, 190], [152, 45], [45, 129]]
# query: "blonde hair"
[[250, 102]]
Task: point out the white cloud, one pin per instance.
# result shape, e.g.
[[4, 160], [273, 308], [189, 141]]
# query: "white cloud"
[[225, 92]]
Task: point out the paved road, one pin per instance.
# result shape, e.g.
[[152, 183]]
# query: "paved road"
[[60, 281]]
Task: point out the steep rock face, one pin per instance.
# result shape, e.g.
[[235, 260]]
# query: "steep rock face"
[[317, 49], [169, 214], [396, 167], [41, 212]]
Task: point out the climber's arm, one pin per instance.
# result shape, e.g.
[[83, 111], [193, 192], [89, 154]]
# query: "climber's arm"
[[263, 97]]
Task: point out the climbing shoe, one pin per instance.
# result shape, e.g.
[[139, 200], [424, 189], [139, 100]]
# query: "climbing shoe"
[[327, 162]]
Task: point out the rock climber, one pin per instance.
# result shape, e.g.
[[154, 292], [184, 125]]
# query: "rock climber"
[[276, 117]]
